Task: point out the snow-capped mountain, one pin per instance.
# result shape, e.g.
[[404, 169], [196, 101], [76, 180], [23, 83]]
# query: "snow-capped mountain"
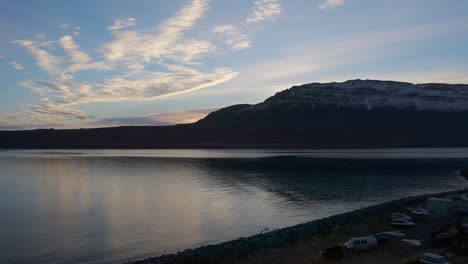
[[371, 94], [356, 113], [315, 104]]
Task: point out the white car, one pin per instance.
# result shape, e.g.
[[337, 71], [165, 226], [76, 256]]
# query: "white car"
[[421, 212], [401, 216], [432, 259], [361, 243], [401, 223]]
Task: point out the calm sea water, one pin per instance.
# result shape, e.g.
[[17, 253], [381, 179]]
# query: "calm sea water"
[[110, 206]]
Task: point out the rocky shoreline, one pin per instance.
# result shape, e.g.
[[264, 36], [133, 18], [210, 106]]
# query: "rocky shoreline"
[[250, 245]]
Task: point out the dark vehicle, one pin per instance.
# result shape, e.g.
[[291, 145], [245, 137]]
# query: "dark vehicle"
[[332, 252]]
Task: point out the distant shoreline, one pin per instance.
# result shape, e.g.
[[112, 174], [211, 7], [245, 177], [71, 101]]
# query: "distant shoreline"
[[265, 154], [228, 147]]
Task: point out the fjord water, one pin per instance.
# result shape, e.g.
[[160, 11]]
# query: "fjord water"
[[110, 206]]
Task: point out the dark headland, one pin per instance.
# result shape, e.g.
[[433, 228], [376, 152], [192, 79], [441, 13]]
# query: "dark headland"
[[356, 113]]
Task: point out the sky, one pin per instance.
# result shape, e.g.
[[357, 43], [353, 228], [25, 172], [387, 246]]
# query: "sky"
[[73, 64]]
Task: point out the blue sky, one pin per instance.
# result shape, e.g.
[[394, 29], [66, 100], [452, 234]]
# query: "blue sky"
[[106, 63]]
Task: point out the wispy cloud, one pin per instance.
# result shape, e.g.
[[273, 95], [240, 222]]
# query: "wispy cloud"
[[16, 65], [79, 60], [264, 10], [162, 42], [147, 86], [238, 36], [233, 37], [329, 4], [181, 117], [45, 114], [44, 60], [75, 30], [73, 51], [154, 119], [54, 110], [122, 23]]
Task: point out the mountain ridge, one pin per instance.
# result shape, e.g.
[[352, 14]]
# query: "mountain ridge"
[[364, 92]]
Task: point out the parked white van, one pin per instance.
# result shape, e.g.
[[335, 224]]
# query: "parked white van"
[[361, 243], [432, 259]]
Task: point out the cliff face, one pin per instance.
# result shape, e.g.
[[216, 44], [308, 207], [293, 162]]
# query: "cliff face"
[[357, 113]]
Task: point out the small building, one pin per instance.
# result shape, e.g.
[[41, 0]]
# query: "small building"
[[440, 205]]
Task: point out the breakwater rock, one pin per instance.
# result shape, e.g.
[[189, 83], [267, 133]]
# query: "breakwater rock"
[[280, 237]]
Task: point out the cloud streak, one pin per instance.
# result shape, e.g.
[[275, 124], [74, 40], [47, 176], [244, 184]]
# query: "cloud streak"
[[161, 42], [264, 10], [122, 23], [154, 119], [238, 36], [329, 4], [233, 37], [79, 60], [44, 60], [16, 66]]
